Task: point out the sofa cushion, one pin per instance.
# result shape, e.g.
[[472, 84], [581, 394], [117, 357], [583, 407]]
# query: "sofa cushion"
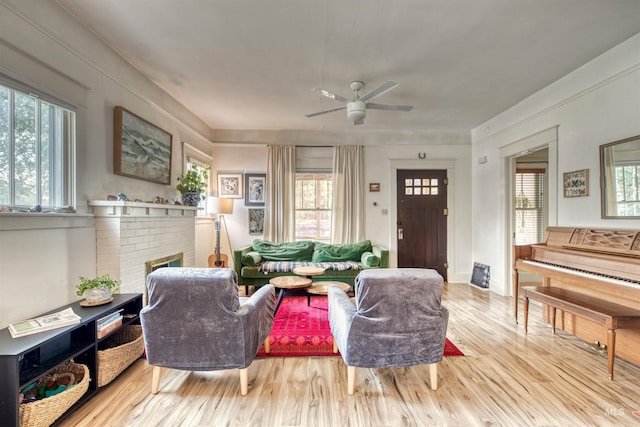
[[369, 259], [345, 252], [286, 251], [251, 258], [286, 266]]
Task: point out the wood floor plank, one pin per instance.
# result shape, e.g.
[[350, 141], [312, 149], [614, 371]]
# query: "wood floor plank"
[[509, 379]]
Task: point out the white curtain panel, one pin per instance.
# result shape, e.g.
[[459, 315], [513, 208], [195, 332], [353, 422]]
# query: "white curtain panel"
[[280, 201], [347, 213]]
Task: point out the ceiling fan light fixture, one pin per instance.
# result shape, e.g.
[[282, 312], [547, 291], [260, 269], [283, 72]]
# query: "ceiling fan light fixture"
[[356, 110]]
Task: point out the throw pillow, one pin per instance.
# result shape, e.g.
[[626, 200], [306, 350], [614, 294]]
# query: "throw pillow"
[[369, 259], [346, 252], [286, 251], [251, 258]]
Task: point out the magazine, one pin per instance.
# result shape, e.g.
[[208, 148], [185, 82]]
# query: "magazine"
[[44, 323]]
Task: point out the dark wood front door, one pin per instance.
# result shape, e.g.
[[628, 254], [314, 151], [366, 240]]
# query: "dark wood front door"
[[422, 219]]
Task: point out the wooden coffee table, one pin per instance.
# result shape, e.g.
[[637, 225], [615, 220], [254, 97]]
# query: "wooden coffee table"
[[322, 288], [285, 283]]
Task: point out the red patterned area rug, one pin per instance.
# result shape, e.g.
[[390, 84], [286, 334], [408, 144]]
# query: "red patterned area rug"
[[301, 330]]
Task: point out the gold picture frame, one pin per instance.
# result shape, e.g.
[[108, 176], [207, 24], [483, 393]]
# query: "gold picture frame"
[[140, 149]]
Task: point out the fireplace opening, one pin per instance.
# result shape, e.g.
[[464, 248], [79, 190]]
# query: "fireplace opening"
[[154, 264]]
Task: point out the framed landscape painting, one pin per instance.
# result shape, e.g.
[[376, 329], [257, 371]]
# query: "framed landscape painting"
[[140, 149], [254, 189]]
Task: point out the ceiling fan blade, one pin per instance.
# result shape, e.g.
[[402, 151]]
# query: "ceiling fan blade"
[[326, 111], [385, 87], [374, 106], [330, 95], [358, 122]]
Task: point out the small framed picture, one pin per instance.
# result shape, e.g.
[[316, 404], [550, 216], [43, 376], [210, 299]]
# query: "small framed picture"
[[576, 183], [230, 185], [374, 186], [254, 189], [256, 221]]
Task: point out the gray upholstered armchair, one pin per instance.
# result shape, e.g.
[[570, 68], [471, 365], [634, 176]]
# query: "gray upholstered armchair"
[[396, 319], [195, 321]]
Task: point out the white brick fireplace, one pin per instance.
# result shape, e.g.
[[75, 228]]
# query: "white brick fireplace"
[[129, 234]]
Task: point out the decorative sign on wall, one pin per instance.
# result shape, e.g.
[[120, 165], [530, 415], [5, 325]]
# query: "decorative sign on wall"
[[576, 183], [140, 149]]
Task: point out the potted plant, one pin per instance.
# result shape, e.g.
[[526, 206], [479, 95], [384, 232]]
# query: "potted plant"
[[193, 184], [97, 289]]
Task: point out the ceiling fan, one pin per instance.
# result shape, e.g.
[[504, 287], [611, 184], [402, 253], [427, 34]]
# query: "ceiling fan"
[[357, 107]]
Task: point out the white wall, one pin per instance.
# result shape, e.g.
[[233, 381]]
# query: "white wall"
[[42, 257], [596, 104]]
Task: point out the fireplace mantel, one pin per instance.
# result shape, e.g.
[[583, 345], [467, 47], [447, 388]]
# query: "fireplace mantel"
[[111, 208]]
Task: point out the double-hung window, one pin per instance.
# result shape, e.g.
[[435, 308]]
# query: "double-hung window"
[[314, 192], [530, 223], [37, 142]]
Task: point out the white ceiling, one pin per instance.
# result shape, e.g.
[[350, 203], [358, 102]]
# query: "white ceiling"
[[251, 64]]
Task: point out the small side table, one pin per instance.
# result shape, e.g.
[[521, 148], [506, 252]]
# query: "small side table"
[[285, 283]]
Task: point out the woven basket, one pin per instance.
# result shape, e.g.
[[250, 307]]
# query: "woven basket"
[[44, 412], [123, 348]]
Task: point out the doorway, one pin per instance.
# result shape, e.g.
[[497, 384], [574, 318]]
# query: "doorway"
[[422, 219]]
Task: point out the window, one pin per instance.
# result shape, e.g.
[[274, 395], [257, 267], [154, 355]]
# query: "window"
[[201, 161], [313, 206], [529, 209], [628, 189], [37, 138]]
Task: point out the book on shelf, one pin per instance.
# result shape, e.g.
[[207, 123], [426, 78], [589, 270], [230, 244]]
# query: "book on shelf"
[[109, 318], [107, 329], [47, 322]]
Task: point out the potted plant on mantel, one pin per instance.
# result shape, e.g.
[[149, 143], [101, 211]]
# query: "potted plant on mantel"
[[97, 290], [192, 185]]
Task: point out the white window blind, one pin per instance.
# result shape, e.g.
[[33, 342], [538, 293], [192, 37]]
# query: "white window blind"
[[529, 206]]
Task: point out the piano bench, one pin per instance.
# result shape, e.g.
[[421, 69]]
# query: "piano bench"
[[610, 315]]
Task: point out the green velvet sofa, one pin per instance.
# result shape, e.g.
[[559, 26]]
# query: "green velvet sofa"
[[257, 263]]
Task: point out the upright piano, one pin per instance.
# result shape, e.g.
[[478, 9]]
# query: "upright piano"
[[599, 263]]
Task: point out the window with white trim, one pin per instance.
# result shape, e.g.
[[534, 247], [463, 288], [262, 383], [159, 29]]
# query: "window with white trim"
[[37, 142], [314, 192], [529, 206], [201, 161]]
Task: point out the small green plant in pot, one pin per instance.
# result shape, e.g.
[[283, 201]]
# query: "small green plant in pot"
[[193, 184], [97, 289]]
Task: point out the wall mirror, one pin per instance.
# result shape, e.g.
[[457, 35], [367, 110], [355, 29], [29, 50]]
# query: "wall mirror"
[[620, 178]]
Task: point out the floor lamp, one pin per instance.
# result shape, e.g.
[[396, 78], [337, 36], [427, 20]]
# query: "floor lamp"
[[220, 207]]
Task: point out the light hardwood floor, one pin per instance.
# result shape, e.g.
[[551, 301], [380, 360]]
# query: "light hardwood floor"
[[507, 379]]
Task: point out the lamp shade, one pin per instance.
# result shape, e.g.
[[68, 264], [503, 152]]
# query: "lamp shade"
[[216, 205]]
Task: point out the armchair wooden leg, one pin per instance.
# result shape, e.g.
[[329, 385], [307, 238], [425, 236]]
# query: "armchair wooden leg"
[[433, 376], [267, 348], [244, 381], [155, 379], [351, 379], [335, 346]]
